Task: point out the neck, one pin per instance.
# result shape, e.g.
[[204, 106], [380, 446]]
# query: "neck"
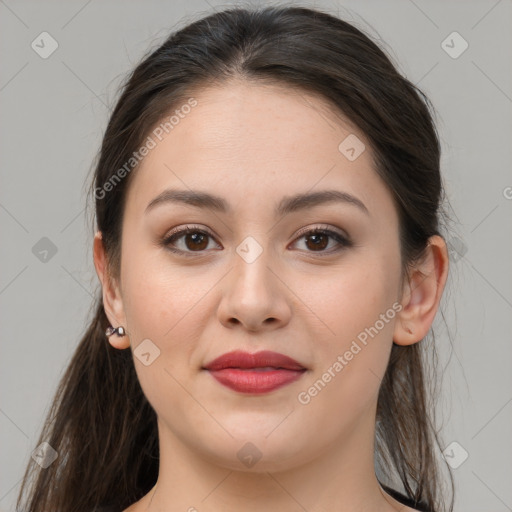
[[340, 478]]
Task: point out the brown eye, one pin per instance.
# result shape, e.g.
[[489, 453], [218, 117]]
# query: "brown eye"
[[196, 241], [193, 240], [317, 240]]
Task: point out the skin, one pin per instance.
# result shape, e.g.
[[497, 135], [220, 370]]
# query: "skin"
[[254, 144]]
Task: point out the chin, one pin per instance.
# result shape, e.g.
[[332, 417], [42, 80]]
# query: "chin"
[[253, 451]]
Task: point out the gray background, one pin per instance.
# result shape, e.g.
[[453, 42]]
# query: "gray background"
[[55, 110]]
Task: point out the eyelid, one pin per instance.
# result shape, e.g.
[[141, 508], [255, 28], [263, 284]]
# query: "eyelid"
[[301, 232], [183, 230], [322, 227]]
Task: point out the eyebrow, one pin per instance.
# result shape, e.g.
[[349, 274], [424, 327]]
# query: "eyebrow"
[[287, 205]]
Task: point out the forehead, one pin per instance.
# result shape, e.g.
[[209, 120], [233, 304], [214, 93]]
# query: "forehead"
[[246, 139]]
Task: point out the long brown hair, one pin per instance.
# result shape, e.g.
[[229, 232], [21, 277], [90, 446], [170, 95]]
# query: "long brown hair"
[[100, 422]]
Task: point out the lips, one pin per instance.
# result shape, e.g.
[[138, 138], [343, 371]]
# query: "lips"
[[245, 360], [260, 372]]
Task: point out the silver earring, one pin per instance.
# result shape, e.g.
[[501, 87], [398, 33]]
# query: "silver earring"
[[117, 330]]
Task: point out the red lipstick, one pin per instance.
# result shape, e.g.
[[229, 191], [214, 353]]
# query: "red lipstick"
[[255, 373]]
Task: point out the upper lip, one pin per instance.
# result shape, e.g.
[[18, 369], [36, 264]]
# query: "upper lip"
[[246, 360]]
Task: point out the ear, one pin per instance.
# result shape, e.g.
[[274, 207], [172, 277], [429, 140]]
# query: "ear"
[[112, 300], [422, 294]]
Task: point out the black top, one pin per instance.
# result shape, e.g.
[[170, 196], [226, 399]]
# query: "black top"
[[405, 500]]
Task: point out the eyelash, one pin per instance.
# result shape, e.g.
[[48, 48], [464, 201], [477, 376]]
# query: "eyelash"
[[176, 235]]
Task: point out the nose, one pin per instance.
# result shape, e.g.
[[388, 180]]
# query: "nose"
[[254, 295]]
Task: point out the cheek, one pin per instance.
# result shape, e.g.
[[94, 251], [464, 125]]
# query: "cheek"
[[154, 296], [350, 297], [166, 305], [350, 364], [159, 307], [358, 309]]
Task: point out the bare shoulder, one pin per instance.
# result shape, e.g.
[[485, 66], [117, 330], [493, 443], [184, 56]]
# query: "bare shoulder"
[[405, 508], [134, 507], [139, 506]]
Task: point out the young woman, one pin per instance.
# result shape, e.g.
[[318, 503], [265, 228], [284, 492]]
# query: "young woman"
[[268, 200]]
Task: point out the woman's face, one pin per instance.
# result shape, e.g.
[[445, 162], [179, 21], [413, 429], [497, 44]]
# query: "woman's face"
[[249, 278]]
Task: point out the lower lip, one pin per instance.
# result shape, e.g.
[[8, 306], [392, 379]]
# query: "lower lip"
[[254, 381]]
